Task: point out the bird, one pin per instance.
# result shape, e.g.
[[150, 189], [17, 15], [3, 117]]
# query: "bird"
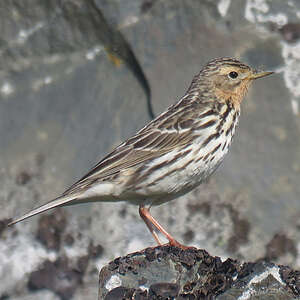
[[174, 153]]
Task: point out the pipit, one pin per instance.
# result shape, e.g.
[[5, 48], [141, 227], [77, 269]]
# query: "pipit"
[[172, 154]]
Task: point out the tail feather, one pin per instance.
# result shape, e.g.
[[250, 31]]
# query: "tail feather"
[[60, 201]]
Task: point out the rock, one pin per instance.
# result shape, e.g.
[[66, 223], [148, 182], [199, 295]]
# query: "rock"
[[166, 272], [68, 96], [59, 277], [50, 229], [290, 32]]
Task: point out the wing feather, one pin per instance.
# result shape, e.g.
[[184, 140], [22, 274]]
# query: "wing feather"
[[160, 136]]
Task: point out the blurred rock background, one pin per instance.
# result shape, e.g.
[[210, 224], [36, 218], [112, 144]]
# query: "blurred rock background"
[[71, 89]]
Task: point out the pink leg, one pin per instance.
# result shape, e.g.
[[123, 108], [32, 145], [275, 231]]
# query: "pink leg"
[[150, 222]]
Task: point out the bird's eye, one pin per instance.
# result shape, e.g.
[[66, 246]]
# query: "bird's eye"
[[233, 75]]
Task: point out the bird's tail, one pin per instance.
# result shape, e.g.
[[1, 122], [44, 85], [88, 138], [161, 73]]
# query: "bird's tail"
[[60, 201]]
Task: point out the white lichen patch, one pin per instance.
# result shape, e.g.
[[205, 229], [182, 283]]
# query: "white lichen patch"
[[6, 89], [47, 80], [114, 282], [254, 8], [78, 249], [295, 107], [291, 72], [24, 34], [223, 7], [37, 84], [17, 260], [250, 291], [258, 11], [129, 21], [92, 53]]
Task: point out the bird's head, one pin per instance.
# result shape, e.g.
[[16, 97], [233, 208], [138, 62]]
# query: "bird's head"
[[230, 79]]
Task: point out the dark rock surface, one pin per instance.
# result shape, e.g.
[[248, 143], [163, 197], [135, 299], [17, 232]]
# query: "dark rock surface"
[[59, 277], [71, 90], [50, 229], [170, 273]]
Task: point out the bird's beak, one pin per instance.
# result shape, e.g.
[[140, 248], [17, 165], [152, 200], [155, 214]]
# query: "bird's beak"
[[257, 74]]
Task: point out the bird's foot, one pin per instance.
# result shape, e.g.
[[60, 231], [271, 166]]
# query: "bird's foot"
[[174, 243]]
